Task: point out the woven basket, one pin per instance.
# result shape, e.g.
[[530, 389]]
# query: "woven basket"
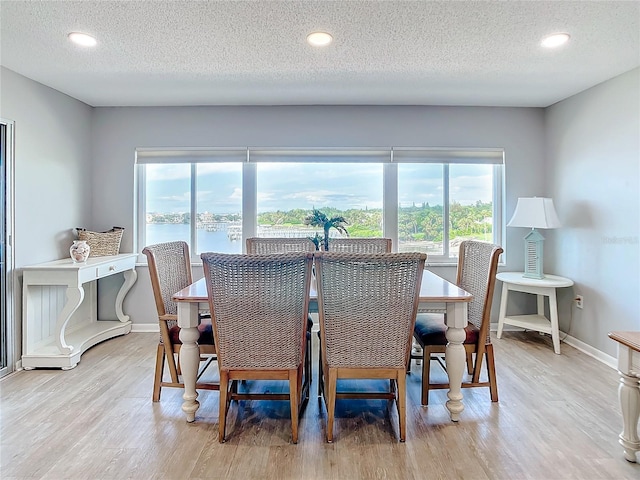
[[102, 243]]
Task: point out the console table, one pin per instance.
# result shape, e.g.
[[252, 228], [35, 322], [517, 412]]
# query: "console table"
[[545, 287], [59, 319], [629, 390]]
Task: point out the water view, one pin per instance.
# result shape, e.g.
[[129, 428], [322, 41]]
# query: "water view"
[[208, 241]]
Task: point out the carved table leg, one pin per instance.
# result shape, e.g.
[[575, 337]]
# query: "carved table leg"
[[130, 277], [629, 395], [455, 356], [189, 356], [75, 295]]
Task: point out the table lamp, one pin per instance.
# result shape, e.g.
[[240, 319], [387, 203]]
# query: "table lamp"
[[536, 212]]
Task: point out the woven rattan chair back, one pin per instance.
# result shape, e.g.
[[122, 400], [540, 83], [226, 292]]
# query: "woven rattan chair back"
[[170, 271], [477, 266], [267, 246], [259, 306], [360, 245], [367, 305], [354, 245]]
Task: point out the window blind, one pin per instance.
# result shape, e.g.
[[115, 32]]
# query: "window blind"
[[483, 156]]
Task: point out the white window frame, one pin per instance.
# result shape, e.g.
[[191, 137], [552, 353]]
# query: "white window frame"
[[390, 157]]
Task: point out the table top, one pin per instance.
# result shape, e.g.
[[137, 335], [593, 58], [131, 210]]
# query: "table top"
[[551, 281], [630, 339], [434, 289], [68, 264]]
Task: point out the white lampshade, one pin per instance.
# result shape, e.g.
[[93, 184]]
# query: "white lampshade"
[[536, 212]]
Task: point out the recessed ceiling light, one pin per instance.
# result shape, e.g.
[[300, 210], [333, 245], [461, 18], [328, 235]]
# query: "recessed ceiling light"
[[319, 39], [82, 39], [555, 40]]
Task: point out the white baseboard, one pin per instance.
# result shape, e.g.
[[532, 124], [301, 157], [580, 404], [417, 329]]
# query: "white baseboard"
[[608, 360], [589, 350], [145, 327]]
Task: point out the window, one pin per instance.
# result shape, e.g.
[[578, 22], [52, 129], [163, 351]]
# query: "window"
[[334, 188], [423, 199]]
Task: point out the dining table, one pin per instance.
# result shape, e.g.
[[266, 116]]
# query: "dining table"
[[436, 295]]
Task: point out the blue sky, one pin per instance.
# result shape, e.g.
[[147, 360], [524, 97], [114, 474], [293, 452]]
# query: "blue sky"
[[283, 186]]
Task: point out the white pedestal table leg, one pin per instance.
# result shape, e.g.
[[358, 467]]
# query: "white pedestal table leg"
[[629, 396], [189, 356], [455, 356]]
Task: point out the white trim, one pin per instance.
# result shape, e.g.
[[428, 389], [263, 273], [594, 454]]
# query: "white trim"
[[602, 357], [249, 201], [145, 328], [12, 324], [390, 203], [140, 208], [589, 350], [446, 212]]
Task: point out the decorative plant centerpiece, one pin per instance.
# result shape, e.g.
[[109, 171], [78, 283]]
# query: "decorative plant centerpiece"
[[319, 219]]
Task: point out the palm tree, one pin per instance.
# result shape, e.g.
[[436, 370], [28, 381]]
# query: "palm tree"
[[319, 219]]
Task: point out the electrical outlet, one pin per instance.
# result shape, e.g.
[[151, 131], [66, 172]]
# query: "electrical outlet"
[[578, 301]]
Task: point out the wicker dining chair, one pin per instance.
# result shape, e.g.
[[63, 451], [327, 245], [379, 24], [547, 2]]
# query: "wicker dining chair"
[[170, 271], [367, 305], [360, 245], [267, 246], [259, 306], [353, 245], [477, 266]]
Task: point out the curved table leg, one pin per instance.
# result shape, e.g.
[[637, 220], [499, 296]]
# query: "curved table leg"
[[455, 356], [75, 295], [130, 277]]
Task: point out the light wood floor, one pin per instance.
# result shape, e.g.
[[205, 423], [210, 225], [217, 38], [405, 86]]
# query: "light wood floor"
[[558, 418]]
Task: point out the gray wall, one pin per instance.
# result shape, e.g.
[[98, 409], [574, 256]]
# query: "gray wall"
[[53, 171], [74, 166], [593, 154], [118, 131]]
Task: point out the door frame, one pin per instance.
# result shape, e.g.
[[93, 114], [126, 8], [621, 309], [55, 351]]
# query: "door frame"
[[10, 327]]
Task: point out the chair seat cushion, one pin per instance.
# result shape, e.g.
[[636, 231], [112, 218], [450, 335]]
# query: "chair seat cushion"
[[205, 329], [430, 330]]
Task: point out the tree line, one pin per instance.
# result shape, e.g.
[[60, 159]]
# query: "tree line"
[[415, 223]]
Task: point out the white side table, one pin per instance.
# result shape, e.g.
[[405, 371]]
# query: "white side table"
[[546, 287], [60, 316]]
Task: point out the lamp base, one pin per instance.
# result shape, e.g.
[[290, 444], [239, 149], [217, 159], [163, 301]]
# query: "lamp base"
[[537, 276], [533, 255]]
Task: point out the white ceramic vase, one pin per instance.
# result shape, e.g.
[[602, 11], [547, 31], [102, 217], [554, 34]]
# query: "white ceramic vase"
[[79, 251]]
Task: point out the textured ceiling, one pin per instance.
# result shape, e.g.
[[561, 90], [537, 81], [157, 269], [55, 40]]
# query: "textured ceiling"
[[384, 52]]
